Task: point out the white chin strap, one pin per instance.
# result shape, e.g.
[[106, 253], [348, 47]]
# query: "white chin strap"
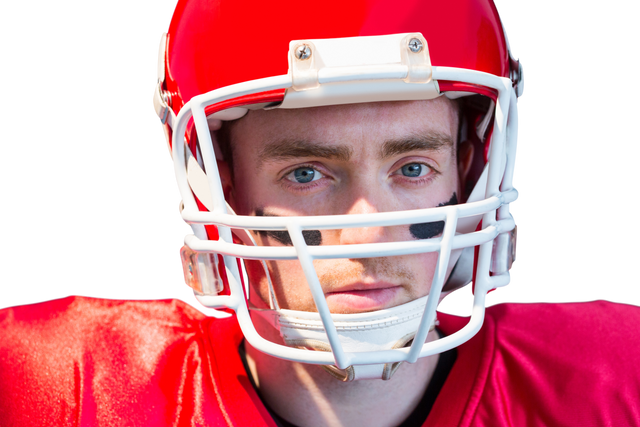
[[373, 331]]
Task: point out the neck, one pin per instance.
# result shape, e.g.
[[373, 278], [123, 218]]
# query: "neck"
[[306, 395]]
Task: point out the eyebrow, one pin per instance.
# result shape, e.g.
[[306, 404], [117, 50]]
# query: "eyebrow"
[[291, 149], [432, 141], [287, 149]]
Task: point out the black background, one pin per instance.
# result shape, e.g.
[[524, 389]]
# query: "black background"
[[90, 200]]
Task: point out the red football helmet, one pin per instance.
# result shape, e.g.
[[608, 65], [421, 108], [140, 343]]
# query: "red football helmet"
[[221, 58]]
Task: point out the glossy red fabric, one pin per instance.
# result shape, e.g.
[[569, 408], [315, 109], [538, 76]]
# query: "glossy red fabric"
[[554, 365], [84, 361]]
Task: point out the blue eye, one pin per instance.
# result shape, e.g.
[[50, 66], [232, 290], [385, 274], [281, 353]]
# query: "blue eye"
[[413, 170], [304, 175]]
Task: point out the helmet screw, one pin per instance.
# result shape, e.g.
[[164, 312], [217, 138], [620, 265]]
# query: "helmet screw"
[[415, 45], [303, 52]]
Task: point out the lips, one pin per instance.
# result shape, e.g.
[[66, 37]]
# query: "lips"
[[361, 286], [361, 297]]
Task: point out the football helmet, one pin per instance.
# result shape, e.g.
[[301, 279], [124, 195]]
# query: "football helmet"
[[221, 58]]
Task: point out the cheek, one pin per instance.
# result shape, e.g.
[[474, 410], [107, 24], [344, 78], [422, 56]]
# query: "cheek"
[[425, 266], [289, 283]]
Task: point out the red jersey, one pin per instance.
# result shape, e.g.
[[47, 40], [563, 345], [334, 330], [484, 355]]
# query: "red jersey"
[[85, 361]]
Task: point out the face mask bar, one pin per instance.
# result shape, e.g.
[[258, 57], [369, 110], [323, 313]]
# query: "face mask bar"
[[497, 226]]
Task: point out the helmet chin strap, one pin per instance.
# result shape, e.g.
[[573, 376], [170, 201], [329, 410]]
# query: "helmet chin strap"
[[373, 331]]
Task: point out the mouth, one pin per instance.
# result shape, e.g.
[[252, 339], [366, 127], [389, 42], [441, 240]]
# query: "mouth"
[[359, 297]]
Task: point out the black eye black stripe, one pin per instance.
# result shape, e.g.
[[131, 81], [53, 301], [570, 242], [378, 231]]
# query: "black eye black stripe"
[[427, 230], [311, 237]]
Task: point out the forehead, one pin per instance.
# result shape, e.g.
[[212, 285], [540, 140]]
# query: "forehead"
[[352, 122]]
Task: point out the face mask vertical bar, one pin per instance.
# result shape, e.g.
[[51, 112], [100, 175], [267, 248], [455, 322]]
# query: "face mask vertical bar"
[[482, 283], [209, 160], [180, 160], [428, 317], [511, 139], [501, 251], [497, 162], [306, 261], [497, 149]]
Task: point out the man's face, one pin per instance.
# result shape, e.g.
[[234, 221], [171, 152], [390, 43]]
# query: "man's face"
[[348, 159]]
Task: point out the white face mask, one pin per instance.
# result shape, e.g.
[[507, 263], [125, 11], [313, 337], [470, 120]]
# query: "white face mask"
[[371, 353]]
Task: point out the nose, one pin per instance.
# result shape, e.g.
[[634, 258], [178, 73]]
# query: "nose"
[[376, 234]]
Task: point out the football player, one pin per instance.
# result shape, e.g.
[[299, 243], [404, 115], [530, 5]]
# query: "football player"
[[344, 166]]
